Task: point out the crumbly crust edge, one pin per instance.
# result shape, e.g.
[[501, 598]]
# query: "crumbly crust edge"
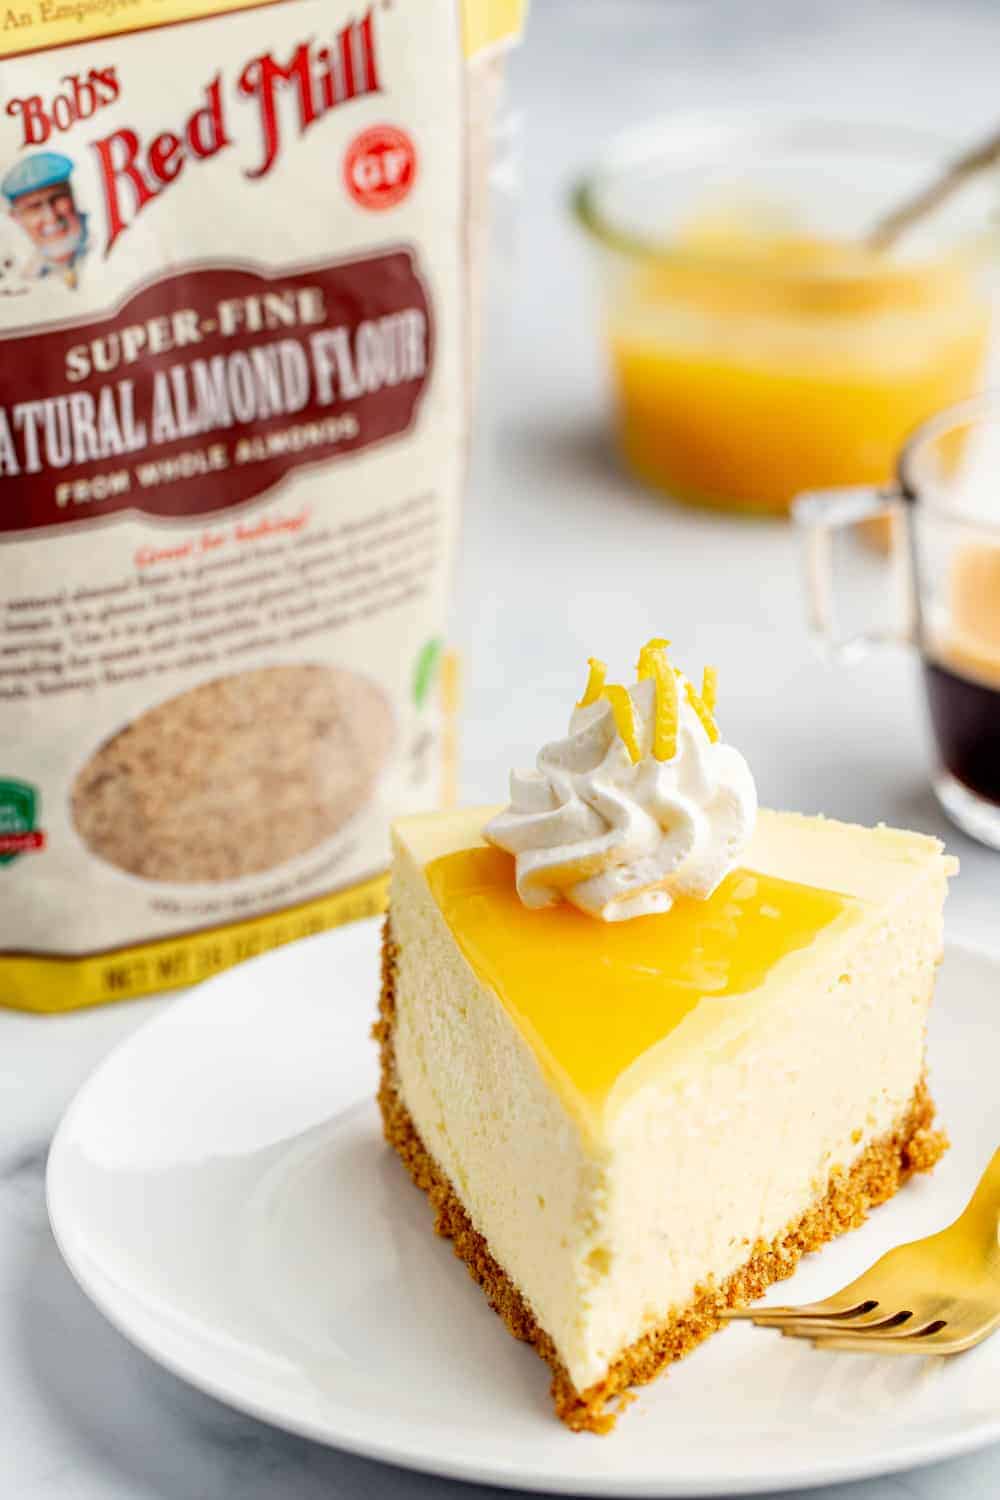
[[912, 1146]]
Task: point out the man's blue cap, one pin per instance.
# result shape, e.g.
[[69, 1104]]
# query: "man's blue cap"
[[44, 169]]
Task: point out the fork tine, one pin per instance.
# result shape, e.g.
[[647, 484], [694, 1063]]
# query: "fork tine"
[[839, 1305], [881, 1321], [920, 1318], [950, 1339], [935, 1343]]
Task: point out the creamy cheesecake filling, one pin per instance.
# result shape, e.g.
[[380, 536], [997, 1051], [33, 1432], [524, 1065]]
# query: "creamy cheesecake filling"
[[744, 1143], [483, 1110], [725, 1141]]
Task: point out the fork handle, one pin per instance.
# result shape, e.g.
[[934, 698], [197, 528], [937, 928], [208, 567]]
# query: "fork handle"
[[984, 1205]]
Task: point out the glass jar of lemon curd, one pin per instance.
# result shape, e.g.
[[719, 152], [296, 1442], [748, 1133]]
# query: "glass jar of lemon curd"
[[757, 346]]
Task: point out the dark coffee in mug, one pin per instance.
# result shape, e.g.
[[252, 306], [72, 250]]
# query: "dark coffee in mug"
[[966, 720], [962, 672]]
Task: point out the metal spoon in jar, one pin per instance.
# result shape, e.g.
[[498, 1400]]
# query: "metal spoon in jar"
[[888, 229]]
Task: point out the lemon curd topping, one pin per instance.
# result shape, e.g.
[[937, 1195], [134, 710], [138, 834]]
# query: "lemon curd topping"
[[592, 997]]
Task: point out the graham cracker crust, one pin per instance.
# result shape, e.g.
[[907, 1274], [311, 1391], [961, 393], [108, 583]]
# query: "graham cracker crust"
[[913, 1146]]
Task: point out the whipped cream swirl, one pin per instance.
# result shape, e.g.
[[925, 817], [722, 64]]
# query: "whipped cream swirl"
[[623, 840]]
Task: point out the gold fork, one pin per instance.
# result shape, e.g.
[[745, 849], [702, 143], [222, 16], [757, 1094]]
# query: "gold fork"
[[938, 1295]]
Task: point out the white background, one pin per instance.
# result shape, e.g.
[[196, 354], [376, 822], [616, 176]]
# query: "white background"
[[562, 558]]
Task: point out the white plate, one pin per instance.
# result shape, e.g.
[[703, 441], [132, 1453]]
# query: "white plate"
[[221, 1190]]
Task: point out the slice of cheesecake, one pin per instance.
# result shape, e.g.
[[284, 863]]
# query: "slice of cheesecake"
[[627, 1126]]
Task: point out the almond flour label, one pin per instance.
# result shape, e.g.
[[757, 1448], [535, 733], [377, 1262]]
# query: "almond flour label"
[[234, 337], [246, 375]]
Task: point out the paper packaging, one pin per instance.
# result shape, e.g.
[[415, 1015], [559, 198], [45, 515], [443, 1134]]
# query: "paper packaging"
[[238, 274]]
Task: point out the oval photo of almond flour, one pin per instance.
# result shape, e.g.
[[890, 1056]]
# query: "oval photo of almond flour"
[[235, 776]]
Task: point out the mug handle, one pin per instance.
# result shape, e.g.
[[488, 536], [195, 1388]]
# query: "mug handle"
[[826, 514]]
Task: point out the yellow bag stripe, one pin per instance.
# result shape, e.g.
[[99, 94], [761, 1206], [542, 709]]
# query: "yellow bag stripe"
[[27, 27], [487, 22], [50, 985]]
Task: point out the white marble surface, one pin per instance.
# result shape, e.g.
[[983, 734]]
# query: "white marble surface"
[[562, 557]]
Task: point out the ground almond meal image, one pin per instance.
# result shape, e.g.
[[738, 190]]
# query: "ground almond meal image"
[[264, 765], [242, 251]]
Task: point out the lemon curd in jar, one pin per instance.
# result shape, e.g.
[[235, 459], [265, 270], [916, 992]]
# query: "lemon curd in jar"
[[592, 997], [751, 366]]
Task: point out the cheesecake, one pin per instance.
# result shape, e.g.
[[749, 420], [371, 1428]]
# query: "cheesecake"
[[644, 1045]]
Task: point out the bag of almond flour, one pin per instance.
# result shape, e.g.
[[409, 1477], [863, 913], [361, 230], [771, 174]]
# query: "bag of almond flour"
[[240, 246]]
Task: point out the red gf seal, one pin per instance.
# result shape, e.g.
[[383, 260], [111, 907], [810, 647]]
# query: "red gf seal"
[[380, 166]]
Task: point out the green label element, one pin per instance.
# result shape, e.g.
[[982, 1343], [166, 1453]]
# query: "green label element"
[[18, 819], [426, 669]]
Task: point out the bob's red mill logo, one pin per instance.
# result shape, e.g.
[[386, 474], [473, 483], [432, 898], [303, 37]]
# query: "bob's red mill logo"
[[288, 95]]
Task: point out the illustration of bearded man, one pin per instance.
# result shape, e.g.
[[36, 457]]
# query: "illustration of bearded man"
[[40, 194]]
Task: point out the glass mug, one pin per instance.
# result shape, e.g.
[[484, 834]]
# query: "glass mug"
[[942, 518]]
